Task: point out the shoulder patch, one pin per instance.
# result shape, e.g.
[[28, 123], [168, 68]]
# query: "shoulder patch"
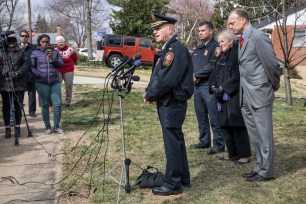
[[168, 59]]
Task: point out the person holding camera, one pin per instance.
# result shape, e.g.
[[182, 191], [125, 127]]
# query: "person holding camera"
[[44, 64], [12, 83]]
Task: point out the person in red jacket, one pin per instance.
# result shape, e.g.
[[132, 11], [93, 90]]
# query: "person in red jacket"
[[67, 72]]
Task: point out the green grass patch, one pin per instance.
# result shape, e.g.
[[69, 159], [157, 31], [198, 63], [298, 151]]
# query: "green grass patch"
[[212, 181]]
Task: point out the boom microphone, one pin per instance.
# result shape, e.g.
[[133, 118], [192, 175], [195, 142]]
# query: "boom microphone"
[[137, 63]]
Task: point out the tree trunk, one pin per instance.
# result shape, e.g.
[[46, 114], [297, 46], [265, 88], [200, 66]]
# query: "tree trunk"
[[288, 86], [88, 27], [286, 57]]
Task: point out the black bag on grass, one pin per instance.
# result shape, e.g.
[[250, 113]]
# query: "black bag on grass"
[[149, 179]]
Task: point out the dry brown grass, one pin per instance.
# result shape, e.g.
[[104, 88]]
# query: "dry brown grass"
[[212, 181]]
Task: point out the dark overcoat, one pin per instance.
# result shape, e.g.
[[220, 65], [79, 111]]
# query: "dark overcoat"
[[17, 62], [226, 74]]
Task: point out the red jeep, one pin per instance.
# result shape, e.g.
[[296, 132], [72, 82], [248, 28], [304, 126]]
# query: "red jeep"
[[117, 46]]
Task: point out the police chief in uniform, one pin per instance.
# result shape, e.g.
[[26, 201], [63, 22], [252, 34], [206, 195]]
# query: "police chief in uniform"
[[171, 85]]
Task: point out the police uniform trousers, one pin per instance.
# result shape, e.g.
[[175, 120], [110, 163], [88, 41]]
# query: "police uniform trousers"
[[171, 118], [205, 105]]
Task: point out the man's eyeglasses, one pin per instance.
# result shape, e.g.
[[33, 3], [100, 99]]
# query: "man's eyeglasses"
[[25, 36]]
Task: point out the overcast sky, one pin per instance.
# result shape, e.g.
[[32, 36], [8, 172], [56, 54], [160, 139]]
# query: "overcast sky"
[[34, 2]]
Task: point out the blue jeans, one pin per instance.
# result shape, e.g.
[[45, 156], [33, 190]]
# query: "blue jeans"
[[206, 111], [53, 92]]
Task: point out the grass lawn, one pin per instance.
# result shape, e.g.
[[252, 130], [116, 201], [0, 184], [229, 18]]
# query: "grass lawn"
[[212, 181]]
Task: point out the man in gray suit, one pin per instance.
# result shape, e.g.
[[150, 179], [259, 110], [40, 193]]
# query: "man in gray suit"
[[259, 78]]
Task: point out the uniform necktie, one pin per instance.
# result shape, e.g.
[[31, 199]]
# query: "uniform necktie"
[[241, 41]]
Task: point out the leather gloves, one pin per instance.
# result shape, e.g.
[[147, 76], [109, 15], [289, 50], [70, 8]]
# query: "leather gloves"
[[218, 92]]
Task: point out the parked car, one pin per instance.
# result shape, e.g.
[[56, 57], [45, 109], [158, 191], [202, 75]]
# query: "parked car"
[[117, 46], [84, 51]]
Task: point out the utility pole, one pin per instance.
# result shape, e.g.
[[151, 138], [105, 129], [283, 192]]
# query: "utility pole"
[[29, 21]]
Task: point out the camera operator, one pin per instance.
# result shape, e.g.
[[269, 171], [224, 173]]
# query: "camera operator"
[[12, 83], [44, 64]]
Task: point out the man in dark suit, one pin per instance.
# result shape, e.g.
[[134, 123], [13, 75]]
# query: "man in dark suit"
[[28, 49], [204, 102], [170, 87], [259, 78]]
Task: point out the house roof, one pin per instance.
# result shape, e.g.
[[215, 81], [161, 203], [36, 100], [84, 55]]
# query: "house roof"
[[269, 20]]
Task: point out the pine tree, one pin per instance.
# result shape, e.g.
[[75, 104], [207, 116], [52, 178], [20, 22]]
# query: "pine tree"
[[135, 17], [41, 25]]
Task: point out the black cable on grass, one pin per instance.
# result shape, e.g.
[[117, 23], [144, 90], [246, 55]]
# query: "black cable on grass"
[[106, 122]]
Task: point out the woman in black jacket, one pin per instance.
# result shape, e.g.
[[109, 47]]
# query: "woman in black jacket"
[[12, 84], [224, 83]]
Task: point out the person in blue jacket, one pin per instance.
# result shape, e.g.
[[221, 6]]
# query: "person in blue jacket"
[[44, 64], [170, 87]]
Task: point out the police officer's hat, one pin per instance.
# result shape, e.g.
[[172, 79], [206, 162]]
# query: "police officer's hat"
[[159, 19]]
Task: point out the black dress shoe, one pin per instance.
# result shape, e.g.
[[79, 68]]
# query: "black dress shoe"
[[164, 191], [188, 185], [249, 175], [199, 146], [258, 177], [32, 114], [243, 163], [215, 150]]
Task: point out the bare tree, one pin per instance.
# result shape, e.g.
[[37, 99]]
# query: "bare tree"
[[290, 51], [7, 11], [189, 14], [84, 17]]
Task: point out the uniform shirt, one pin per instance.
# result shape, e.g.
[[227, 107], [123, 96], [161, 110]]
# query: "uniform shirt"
[[171, 75], [202, 56]]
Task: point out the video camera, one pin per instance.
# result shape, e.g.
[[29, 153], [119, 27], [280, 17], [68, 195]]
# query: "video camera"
[[5, 40]]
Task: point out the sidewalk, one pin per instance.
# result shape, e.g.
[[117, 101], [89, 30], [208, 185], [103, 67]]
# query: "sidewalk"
[[29, 162]]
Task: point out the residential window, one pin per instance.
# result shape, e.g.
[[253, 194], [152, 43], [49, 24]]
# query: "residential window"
[[299, 38]]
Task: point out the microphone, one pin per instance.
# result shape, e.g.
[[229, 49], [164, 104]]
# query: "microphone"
[[125, 60], [137, 63], [128, 187]]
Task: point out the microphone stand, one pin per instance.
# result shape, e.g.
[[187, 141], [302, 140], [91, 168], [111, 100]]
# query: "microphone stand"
[[125, 163]]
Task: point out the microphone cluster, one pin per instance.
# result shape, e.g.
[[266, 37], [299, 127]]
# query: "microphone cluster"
[[125, 76]]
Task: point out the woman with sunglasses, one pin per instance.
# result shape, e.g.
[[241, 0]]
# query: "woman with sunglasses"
[[44, 64], [224, 83]]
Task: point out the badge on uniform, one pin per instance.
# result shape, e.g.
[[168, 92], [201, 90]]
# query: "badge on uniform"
[[168, 59], [205, 52]]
